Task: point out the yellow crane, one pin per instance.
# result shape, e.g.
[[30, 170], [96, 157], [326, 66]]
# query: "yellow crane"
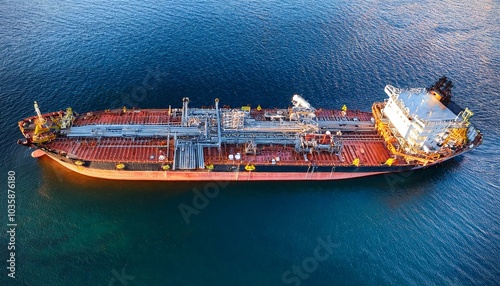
[[42, 132]]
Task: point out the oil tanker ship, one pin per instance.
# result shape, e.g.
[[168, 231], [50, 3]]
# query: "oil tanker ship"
[[412, 129]]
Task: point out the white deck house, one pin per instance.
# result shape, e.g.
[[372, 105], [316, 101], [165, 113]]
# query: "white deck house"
[[418, 119]]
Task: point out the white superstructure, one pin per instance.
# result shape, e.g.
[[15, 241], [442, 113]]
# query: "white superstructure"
[[421, 122]]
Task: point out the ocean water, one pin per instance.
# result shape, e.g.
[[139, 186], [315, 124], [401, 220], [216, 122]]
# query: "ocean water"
[[439, 226]]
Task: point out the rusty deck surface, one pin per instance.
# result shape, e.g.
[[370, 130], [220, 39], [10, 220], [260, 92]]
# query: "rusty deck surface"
[[369, 147], [164, 116], [139, 116]]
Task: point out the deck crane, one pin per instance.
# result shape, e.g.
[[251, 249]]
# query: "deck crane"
[[41, 133]]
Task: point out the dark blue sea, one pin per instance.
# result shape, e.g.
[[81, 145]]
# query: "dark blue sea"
[[439, 226]]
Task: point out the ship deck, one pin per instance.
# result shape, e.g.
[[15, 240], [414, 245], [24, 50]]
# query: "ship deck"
[[118, 116], [164, 116], [368, 146]]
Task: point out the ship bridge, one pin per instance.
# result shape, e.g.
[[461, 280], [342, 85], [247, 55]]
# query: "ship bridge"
[[421, 122]]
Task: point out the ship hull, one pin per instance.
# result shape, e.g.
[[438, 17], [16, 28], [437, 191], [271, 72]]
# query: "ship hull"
[[206, 175]]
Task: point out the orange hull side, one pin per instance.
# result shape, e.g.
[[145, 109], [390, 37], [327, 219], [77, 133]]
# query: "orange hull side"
[[208, 176]]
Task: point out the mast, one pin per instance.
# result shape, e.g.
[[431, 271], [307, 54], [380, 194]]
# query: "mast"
[[41, 120]]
